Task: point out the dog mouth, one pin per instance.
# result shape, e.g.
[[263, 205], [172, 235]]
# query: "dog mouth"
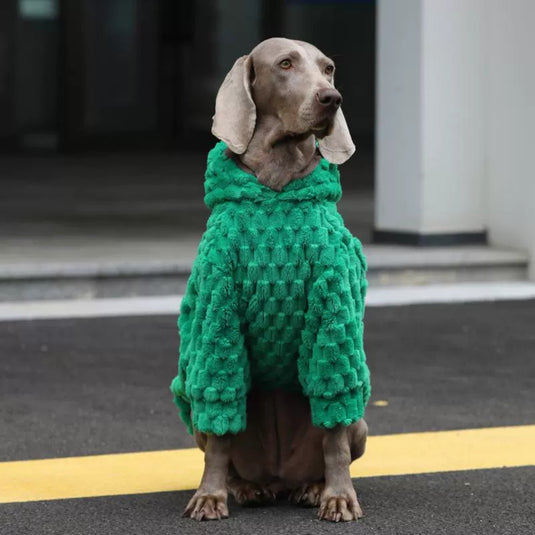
[[322, 128]]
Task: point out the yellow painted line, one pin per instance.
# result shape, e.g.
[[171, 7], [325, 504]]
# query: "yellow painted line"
[[160, 471], [447, 451]]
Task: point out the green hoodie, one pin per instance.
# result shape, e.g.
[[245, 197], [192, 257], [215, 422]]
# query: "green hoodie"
[[275, 300]]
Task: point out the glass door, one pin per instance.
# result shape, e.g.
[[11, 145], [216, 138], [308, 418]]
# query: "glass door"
[[110, 70], [36, 73]]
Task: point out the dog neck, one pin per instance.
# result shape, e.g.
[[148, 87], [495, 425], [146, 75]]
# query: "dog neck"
[[276, 157]]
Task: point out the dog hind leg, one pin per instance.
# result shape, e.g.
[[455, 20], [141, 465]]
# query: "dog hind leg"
[[247, 493], [308, 495], [358, 434]]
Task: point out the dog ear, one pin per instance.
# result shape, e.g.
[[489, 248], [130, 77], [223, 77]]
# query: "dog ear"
[[235, 111], [338, 146]]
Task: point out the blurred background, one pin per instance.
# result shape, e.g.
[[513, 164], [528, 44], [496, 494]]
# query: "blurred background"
[[85, 74], [106, 109]]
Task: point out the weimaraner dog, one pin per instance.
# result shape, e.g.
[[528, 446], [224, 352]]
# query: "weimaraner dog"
[[272, 108]]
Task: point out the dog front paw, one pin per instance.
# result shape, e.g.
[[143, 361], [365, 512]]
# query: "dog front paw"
[[339, 506], [204, 506]]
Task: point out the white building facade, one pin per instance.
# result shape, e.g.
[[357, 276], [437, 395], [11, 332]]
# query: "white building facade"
[[455, 131]]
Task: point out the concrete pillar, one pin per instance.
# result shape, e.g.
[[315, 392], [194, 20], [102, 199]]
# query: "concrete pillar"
[[510, 125], [430, 118]]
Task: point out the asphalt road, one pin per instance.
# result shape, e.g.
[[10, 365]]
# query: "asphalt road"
[[92, 386]]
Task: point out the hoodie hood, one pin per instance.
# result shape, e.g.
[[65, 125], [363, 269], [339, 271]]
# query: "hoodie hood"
[[226, 182]]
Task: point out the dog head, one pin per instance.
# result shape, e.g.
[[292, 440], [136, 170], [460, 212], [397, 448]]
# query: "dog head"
[[292, 82]]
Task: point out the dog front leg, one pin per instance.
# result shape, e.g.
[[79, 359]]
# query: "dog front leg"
[[339, 499], [210, 501]]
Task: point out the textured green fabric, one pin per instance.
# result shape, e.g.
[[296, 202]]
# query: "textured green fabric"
[[275, 300]]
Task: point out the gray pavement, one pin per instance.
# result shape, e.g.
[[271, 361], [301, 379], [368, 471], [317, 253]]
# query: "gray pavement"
[[90, 386], [482, 502]]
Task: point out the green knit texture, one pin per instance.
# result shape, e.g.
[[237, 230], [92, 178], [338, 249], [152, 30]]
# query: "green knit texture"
[[275, 300]]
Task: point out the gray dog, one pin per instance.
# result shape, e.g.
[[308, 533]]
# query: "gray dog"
[[278, 113]]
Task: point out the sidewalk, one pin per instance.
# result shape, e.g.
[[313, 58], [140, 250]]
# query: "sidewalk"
[[129, 224], [72, 267], [122, 196]]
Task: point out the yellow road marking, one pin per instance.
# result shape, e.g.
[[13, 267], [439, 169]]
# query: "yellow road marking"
[[380, 403], [160, 471]]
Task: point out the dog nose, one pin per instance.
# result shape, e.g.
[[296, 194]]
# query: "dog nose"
[[330, 98]]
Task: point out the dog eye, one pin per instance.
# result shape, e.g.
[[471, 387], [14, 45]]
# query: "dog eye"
[[329, 69], [285, 64]]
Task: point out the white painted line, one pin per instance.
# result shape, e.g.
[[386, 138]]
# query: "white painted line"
[[170, 304], [90, 308], [449, 293]]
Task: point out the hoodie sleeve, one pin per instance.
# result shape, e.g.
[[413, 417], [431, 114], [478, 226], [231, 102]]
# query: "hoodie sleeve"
[[332, 363], [213, 373]]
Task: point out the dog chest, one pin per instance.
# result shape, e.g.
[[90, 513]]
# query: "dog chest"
[[275, 301], [281, 252]]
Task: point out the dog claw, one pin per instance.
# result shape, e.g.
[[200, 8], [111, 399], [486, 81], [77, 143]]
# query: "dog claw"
[[339, 508], [206, 507]]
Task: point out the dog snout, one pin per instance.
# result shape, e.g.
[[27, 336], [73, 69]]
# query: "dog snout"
[[329, 98]]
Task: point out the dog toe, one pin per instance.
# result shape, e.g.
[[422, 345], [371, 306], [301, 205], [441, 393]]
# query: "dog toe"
[[339, 508], [206, 507]]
